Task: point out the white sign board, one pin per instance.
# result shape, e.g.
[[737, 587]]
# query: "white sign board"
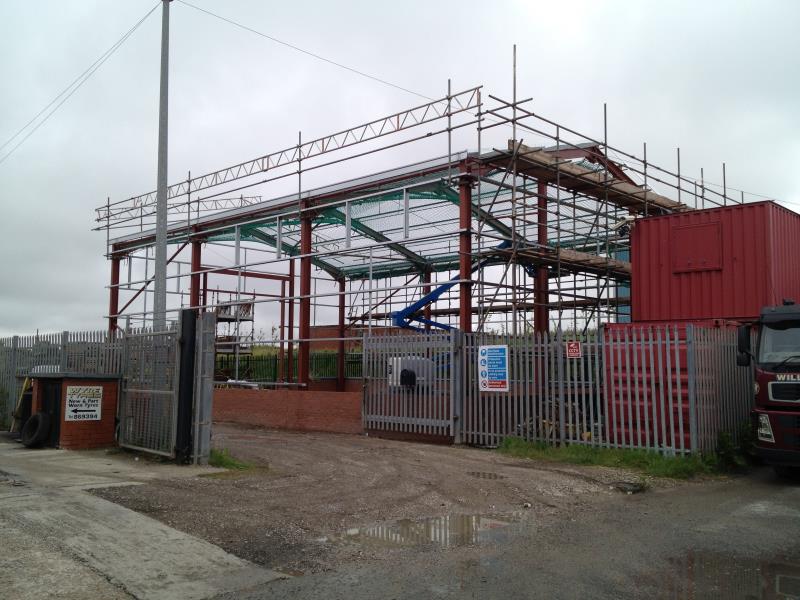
[[493, 368], [84, 403]]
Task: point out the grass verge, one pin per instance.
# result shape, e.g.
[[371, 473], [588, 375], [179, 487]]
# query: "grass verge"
[[649, 463], [222, 459]]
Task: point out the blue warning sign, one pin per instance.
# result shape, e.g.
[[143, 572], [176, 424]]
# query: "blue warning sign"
[[493, 368]]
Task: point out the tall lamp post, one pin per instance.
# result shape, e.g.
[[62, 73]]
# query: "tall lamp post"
[[160, 274]]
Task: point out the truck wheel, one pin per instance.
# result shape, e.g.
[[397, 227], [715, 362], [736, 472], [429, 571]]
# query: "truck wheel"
[[784, 472], [36, 430]]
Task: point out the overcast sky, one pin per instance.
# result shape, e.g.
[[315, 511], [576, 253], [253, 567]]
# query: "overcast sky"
[[719, 79]]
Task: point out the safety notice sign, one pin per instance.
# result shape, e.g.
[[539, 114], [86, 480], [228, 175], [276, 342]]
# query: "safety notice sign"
[[84, 403], [493, 368], [574, 350]]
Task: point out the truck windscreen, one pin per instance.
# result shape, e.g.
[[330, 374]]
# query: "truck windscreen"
[[780, 343]]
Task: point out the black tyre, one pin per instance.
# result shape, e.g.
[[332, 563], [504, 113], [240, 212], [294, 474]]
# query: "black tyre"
[[36, 430]]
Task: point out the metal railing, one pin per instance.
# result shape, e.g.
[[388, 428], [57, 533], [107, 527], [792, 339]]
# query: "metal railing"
[[672, 389], [427, 403], [550, 398], [149, 403], [146, 362], [723, 391], [266, 368], [68, 353]]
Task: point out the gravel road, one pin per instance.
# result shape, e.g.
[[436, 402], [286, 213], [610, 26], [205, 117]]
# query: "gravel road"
[[359, 517]]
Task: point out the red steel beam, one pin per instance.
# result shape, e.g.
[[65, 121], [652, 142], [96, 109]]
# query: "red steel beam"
[[290, 347], [282, 333], [149, 281], [465, 251], [594, 155], [426, 289], [194, 280], [340, 357], [304, 355], [245, 274], [541, 312], [245, 294], [113, 294]]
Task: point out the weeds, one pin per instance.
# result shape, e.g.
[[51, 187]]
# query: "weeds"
[[736, 456], [650, 463], [222, 459]]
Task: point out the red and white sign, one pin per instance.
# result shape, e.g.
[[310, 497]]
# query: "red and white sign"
[[574, 350]]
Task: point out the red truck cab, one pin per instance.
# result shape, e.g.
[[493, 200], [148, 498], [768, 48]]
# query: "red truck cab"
[[776, 386]]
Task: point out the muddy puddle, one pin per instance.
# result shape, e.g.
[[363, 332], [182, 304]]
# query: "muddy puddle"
[[710, 575], [447, 531]]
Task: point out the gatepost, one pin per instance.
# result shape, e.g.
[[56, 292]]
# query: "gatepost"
[[457, 384], [562, 412]]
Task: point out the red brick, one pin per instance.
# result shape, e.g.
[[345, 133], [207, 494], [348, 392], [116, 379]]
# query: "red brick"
[[338, 412], [78, 435]]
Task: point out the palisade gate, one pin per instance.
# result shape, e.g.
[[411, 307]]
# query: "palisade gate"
[[166, 377], [667, 388]]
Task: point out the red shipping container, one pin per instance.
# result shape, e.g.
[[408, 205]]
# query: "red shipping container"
[[719, 263]]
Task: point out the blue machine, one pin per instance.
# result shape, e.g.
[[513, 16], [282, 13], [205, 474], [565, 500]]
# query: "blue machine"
[[404, 318]]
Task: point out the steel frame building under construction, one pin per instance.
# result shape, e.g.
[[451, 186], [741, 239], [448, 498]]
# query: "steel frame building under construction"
[[527, 232]]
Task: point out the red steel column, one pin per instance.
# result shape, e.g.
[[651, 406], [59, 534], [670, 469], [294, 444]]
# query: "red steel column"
[[465, 253], [426, 289], [290, 346], [194, 280], [113, 294], [341, 356], [541, 312], [281, 374], [303, 359]]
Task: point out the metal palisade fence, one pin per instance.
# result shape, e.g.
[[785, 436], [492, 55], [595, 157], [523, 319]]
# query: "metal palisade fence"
[[549, 397], [724, 392], [412, 384], [667, 388], [146, 362], [148, 403], [66, 353]]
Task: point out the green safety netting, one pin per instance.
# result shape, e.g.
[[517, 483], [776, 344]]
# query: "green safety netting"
[[378, 215]]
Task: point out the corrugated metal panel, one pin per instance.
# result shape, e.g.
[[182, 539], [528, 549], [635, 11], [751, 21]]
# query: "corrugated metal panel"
[[785, 255], [721, 263]]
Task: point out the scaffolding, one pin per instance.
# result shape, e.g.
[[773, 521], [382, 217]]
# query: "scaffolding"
[[527, 232]]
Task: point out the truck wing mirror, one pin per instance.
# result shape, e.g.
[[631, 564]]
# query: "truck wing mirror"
[[743, 346]]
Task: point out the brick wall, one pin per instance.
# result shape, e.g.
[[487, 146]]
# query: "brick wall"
[[332, 331], [36, 398], [338, 412], [90, 434], [329, 385]]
